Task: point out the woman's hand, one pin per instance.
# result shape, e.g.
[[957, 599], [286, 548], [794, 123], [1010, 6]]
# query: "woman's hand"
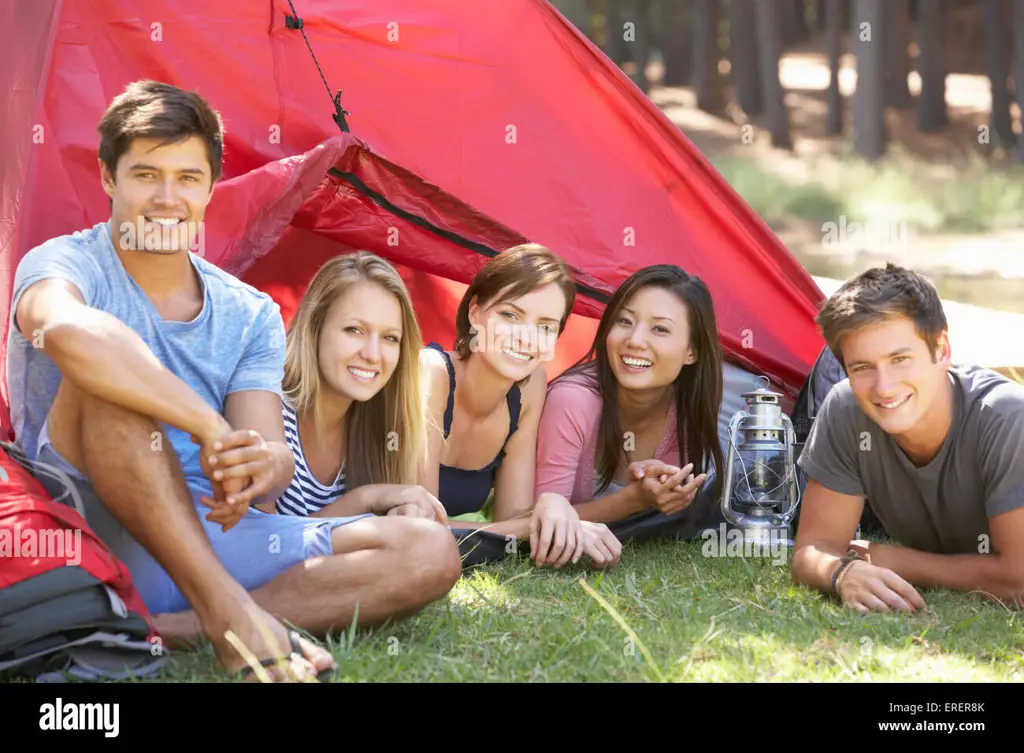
[[666, 488], [601, 545], [556, 533]]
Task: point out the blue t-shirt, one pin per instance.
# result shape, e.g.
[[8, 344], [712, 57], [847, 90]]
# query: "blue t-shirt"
[[237, 342]]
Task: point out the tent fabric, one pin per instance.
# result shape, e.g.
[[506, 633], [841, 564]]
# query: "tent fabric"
[[465, 138]]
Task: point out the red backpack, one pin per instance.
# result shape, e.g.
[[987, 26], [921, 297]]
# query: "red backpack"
[[67, 604]]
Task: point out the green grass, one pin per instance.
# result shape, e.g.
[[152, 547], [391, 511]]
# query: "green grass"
[[975, 198], [668, 613]]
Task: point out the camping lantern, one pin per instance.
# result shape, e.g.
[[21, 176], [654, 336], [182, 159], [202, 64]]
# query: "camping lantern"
[[759, 490]]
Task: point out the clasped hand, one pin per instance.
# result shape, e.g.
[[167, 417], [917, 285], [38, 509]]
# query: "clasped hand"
[[411, 501], [240, 467], [664, 487]]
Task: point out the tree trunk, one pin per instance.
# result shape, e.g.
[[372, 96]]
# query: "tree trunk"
[[676, 42], [743, 56], [616, 47], [793, 28], [932, 112], [1018, 70], [821, 17], [637, 21], [833, 13], [708, 82], [769, 22], [576, 13], [897, 67], [998, 72], [868, 31]]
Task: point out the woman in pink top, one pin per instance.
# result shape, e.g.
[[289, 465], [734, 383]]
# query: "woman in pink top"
[[613, 424]]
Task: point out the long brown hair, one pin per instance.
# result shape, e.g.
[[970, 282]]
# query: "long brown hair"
[[387, 433], [698, 388]]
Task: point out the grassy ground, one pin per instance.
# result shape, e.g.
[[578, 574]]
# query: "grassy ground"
[[669, 613], [972, 199]]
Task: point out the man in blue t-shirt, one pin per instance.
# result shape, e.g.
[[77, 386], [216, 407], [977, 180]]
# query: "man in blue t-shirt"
[[153, 379]]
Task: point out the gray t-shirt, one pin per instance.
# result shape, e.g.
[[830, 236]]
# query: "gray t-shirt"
[[945, 506]]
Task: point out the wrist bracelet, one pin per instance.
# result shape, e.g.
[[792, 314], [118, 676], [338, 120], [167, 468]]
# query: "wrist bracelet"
[[844, 564], [844, 571]]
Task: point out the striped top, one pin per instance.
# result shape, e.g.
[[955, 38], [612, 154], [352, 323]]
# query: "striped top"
[[305, 495]]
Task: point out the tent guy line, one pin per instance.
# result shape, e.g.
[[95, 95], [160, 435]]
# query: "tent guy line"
[[294, 21]]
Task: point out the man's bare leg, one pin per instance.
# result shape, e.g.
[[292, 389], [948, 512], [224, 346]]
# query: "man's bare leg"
[[145, 490], [388, 567]]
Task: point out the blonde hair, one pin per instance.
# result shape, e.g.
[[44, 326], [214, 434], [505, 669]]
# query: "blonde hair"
[[386, 435]]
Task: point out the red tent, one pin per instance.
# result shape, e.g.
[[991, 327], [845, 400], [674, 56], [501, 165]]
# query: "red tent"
[[471, 129]]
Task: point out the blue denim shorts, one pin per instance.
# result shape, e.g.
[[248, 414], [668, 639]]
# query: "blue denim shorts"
[[258, 548]]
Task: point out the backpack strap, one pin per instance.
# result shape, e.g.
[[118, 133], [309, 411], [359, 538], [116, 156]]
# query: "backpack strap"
[[812, 405], [449, 410]]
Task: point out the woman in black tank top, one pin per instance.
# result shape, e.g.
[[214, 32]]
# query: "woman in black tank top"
[[486, 397]]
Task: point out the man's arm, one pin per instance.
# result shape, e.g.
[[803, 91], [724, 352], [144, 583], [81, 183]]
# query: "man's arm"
[[998, 575], [832, 505], [257, 452], [833, 500], [105, 358], [263, 458], [828, 521]]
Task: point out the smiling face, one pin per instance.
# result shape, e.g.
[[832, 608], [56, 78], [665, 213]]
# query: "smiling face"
[[160, 195], [893, 377], [649, 341], [361, 341], [516, 336]]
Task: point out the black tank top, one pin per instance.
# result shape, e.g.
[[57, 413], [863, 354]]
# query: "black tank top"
[[459, 490]]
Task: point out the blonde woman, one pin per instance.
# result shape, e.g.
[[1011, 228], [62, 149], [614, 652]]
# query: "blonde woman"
[[353, 397]]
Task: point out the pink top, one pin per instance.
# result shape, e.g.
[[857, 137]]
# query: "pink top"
[[567, 441]]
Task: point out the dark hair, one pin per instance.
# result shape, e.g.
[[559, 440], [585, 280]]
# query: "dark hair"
[[698, 388], [154, 110], [511, 274], [877, 295]]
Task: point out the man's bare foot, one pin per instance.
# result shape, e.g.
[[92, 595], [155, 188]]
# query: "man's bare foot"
[[253, 636]]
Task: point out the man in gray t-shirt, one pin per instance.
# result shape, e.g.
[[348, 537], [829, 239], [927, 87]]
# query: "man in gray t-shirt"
[[936, 450]]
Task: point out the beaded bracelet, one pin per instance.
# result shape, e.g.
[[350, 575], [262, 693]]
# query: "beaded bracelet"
[[844, 564]]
